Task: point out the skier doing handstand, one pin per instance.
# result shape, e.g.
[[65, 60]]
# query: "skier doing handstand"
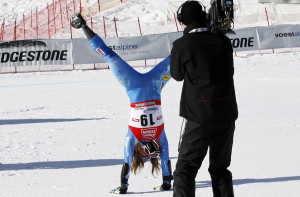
[[146, 138]]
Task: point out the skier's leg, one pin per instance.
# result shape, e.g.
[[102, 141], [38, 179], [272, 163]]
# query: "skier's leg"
[[161, 73], [124, 73]]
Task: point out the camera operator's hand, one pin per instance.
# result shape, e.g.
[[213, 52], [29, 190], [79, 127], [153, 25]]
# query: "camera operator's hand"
[[77, 21]]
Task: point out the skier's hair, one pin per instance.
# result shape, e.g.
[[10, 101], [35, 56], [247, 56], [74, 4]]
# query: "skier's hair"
[[138, 163]]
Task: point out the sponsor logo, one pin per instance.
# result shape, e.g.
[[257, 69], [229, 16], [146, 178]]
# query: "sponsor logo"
[[30, 56], [242, 42], [149, 133], [166, 77], [289, 34], [135, 120], [22, 43], [100, 51], [123, 47]]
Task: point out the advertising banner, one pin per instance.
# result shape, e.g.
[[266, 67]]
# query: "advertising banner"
[[36, 52], [244, 39], [279, 36], [172, 37], [128, 48], [60, 52]]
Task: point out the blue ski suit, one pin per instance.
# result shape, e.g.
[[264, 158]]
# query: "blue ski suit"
[[144, 91]]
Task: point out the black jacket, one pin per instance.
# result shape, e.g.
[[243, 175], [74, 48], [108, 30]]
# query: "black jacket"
[[205, 62]]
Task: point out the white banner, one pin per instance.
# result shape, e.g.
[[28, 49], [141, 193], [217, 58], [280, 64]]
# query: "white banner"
[[153, 46], [59, 52], [244, 39], [128, 48], [36, 52], [279, 36]]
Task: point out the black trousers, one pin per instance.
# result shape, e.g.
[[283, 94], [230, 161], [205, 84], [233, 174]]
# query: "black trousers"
[[195, 142]]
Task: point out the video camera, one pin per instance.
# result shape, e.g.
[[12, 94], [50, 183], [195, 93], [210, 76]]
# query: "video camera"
[[220, 16]]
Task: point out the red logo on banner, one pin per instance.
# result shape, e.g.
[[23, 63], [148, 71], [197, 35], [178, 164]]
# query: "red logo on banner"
[[100, 51]]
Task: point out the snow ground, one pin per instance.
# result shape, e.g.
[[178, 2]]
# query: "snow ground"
[[62, 133]]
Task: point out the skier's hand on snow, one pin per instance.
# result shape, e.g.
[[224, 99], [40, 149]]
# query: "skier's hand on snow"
[[162, 187], [77, 21], [119, 190]]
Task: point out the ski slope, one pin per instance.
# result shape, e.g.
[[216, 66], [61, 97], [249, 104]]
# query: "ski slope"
[[62, 133]]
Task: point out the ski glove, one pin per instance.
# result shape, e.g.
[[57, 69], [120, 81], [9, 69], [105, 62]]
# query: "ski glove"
[[77, 21], [162, 187], [119, 190]]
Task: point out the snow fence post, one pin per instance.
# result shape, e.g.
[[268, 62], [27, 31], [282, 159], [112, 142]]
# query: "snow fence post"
[[99, 5], [2, 30], [54, 16], [268, 21], [104, 26], [80, 7], [74, 6], [31, 18], [92, 23], [71, 29], [176, 22], [24, 26], [15, 30], [37, 25], [139, 25], [48, 20], [267, 16], [67, 11], [116, 26], [61, 17], [141, 34]]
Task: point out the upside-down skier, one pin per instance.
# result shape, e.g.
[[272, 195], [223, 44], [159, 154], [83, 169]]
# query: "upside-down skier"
[[146, 139]]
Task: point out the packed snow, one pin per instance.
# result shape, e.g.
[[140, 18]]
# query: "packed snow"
[[62, 132]]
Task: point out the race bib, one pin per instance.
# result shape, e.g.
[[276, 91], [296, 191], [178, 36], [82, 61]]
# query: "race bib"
[[146, 121]]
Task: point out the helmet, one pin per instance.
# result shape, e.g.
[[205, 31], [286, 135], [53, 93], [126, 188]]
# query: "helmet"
[[151, 148]]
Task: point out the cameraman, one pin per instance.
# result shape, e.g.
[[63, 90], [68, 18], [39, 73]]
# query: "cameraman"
[[204, 61]]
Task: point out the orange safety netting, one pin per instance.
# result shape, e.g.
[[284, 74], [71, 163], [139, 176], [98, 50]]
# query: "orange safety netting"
[[43, 24]]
